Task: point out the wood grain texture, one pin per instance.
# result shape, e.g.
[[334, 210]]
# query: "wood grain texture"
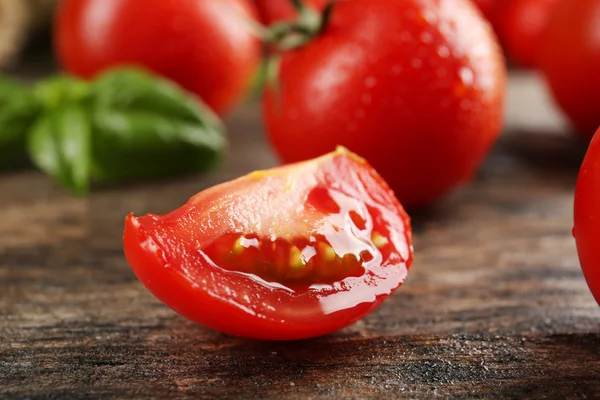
[[495, 304]]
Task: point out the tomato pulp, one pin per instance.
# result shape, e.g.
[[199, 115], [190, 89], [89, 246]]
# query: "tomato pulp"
[[414, 86], [587, 215], [206, 46], [289, 253]]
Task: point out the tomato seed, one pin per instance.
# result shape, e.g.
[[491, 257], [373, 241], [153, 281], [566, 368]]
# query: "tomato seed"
[[378, 240], [302, 259]]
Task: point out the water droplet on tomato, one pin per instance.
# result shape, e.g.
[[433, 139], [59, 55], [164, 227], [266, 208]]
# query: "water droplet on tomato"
[[370, 82], [416, 63], [429, 16], [443, 51], [465, 104], [466, 76], [426, 37]]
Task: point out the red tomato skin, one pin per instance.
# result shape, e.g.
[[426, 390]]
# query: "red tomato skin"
[[271, 11], [587, 215], [521, 26], [205, 46], [415, 86], [570, 61], [163, 253], [488, 8]]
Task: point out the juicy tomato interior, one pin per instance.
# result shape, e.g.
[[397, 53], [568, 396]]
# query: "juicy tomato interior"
[[294, 252], [587, 214]]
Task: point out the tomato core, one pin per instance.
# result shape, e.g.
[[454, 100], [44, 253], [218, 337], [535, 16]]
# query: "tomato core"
[[347, 242]]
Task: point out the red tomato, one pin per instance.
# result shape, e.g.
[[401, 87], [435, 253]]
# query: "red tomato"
[[587, 215], [293, 252], [488, 8], [414, 86], [521, 25], [206, 46], [282, 10], [570, 60]]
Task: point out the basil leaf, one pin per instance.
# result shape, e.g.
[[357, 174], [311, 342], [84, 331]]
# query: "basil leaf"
[[60, 90], [60, 145], [133, 89], [18, 110], [146, 127], [136, 144]]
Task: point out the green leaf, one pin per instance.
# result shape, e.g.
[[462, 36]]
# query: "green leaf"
[[18, 110], [134, 144], [146, 127], [60, 145], [57, 91], [133, 89]]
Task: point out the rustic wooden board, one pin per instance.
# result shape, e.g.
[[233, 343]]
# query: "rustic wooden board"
[[495, 304]]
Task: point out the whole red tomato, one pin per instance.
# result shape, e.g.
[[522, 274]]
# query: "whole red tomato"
[[521, 26], [206, 46], [414, 86], [294, 252], [587, 215], [570, 60], [282, 10], [488, 8]]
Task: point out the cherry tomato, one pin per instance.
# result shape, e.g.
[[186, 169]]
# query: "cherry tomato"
[[271, 11], [587, 215], [488, 8], [293, 252], [206, 46], [570, 60], [521, 26], [414, 86]]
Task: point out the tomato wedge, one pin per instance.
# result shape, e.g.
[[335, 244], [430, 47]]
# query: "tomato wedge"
[[288, 253]]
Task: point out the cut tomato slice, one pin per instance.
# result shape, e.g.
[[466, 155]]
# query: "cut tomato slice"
[[293, 252]]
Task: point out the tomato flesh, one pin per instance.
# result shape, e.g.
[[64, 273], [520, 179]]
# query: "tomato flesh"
[[294, 252], [587, 214]]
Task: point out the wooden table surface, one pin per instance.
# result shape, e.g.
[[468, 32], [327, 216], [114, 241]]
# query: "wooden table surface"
[[495, 304]]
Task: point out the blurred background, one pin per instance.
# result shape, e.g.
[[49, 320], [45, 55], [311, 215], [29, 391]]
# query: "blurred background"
[[222, 62], [26, 29]]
